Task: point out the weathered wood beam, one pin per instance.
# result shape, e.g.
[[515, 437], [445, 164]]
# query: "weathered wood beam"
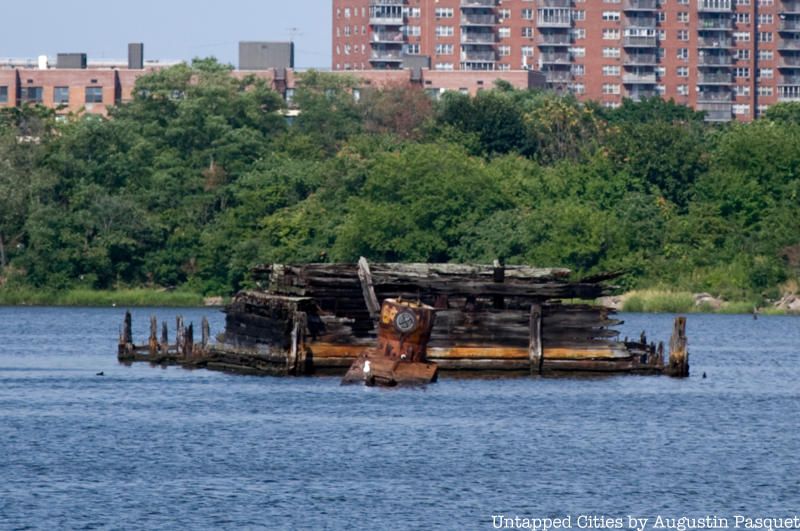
[[368, 289]]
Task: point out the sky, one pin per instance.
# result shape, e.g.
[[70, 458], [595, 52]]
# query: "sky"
[[169, 29]]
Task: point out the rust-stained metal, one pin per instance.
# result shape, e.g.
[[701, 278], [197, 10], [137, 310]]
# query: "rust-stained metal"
[[404, 330]]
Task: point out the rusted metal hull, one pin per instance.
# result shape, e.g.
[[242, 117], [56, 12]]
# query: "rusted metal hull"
[[376, 369]]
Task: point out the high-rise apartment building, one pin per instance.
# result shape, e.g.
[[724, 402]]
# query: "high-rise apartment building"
[[731, 58]]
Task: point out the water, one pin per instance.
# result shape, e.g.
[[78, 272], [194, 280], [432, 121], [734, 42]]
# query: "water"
[[146, 447]]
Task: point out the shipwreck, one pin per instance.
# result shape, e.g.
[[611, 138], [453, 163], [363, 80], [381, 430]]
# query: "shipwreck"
[[486, 320]]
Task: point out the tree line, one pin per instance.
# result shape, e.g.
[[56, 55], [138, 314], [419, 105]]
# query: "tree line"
[[202, 175]]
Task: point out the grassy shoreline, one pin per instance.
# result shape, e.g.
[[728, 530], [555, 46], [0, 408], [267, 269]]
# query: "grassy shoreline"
[[137, 297], [668, 301]]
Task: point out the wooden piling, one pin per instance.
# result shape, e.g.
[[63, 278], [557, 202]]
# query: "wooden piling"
[[164, 338], [535, 345], [188, 342], [678, 352], [206, 332], [179, 335], [152, 343]]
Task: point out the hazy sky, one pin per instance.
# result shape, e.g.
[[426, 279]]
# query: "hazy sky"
[[170, 29]]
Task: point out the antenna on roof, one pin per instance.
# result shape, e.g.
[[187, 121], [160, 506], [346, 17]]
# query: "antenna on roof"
[[293, 32]]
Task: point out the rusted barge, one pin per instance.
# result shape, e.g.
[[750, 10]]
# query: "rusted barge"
[[489, 319]]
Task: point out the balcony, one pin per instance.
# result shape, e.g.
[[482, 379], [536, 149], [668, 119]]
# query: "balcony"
[[714, 60], [479, 38], [714, 79], [554, 39], [640, 5], [386, 56], [790, 26], [554, 18], [715, 24], [556, 3], [387, 18], [478, 20], [790, 7], [717, 112], [711, 42], [789, 61], [478, 3], [789, 80], [639, 42], [640, 20], [715, 6], [478, 57], [388, 37], [788, 44], [387, 2], [791, 93], [639, 79], [558, 76], [638, 95], [640, 59], [554, 58], [715, 97]]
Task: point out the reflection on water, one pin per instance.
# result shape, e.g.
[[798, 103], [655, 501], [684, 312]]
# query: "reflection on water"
[[151, 447]]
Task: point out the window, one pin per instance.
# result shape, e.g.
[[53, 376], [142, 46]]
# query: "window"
[[763, 55], [765, 91], [683, 90], [444, 49], [662, 16], [527, 14], [610, 34], [414, 31], [611, 16], [504, 33], [578, 70], [683, 16], [527, 32], [443, 66], [504, 51], [347, 12], [742, 90], [3, 94], [611, 104], [765, 18], [683, 35], [577, 51], [766, 2], [444, 31], [743, 18], [444, 12], [578, 14], [30, 94], [683, 53], [682, 71], [683, 2], [527, 51], [742, 2], [742, 72], [414, 12], [741, 108], [505, 14], [94, 94], [741, 36], [765, 36], [765, 73], [610, 52], [578, 33], [611, 70], [578, 88], [743, 54], [610, 88], [412, 49], [61, 95], [502, 67]]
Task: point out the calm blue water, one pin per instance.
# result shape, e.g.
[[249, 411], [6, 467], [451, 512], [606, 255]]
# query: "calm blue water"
[[146, 447]]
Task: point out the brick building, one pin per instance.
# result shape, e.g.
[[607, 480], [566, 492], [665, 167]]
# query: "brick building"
[[95, 88], [731, 58]]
